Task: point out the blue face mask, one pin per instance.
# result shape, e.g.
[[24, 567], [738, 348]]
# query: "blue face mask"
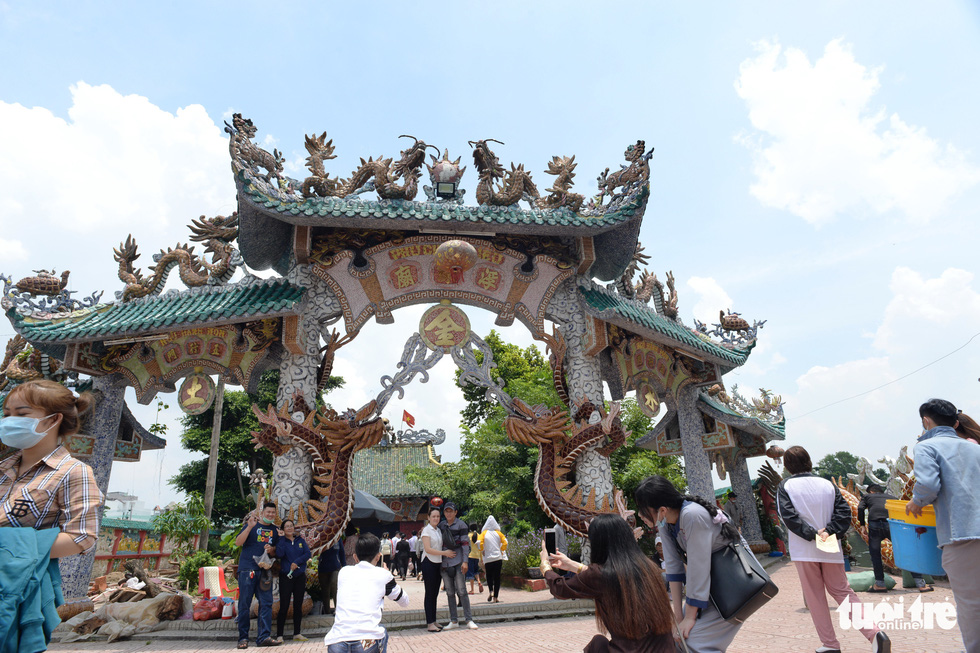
[[21, 432]]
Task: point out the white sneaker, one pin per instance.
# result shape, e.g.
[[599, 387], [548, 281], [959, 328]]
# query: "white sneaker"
[[472, 625], [451, 625]]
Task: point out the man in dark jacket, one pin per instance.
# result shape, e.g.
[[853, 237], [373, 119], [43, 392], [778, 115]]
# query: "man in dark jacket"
[[454, 538], [329, 565], [878, 530]]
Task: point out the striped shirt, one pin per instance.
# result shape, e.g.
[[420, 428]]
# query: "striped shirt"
[[58, 491]]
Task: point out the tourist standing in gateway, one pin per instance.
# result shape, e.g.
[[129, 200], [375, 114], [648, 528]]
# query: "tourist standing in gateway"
[[256, 538], [432, 554], [813, 509], [454, 536], [947, 475]]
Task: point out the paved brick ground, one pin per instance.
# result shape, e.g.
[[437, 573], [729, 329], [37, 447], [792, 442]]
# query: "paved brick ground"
[[783, 626]]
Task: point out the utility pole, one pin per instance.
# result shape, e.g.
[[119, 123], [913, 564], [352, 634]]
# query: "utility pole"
[[219, 401]]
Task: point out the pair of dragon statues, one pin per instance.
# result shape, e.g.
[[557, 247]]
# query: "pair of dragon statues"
[[900, 482], [399, 179], [332, 439]]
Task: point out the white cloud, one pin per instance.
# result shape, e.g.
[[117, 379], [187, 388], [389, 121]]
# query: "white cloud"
[[73, 189], [820, 147], [117, 160], [12, 250], [840, 406], [934, 303], [711, 298]]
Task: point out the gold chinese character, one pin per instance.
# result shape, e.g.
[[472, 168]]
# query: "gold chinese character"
[[192, 399], [444, 326], [488, 279], [651, 401], [404, 277]]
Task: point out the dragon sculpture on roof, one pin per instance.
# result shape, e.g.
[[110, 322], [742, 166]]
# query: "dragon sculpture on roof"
[[216, 233], [331, 439], [636, 172], [398, 180], [564, 169], [249, 155], [516, 184]]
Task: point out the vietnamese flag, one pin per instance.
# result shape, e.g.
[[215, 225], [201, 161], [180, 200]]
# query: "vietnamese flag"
[[408, 419]]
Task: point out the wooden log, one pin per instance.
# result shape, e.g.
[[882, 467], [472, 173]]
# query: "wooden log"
[[136, 569]]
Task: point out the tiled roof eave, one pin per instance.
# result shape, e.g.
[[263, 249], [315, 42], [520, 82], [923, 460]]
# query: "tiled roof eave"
[[156, 331], [614, 311], [212, 307], [426, 216], [751, 425]]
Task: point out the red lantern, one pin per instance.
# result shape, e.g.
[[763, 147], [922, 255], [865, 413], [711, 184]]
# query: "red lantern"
[[435, 502]]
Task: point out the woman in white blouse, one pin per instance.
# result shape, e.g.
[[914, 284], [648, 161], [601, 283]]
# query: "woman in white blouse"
[[432, 555]]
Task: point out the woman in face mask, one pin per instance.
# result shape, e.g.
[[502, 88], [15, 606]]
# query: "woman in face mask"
[[691, 528], [41, 485]]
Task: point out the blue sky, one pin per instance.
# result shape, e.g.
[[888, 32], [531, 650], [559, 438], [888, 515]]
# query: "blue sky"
[[815, 167]]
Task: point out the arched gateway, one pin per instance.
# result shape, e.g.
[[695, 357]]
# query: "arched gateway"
[[343, 258]]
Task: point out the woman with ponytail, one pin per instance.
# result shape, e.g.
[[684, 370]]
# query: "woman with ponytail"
[[42, 486], [49, 508], [690, 529]]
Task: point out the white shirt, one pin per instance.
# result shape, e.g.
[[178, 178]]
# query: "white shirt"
[[361, 591], [813, 498], [435, 542], [412, 541]]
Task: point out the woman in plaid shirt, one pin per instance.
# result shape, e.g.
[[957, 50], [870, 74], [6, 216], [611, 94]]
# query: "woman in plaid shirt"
[[41, 485]]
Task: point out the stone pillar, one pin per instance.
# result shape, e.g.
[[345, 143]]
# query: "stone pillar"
[[293, 471], [742, 485], [592, 470], [103, 424], [697, 466]]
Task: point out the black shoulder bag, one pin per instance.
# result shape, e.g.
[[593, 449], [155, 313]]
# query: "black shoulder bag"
[[739, 584]]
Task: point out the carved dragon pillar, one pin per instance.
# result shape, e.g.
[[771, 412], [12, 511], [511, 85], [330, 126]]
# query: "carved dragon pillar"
[[697, 465], [592, 470], [293, 471], [742, 485], [110, 390]]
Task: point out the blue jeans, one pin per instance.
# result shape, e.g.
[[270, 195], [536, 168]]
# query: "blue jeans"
[[379, 646], [248, 586]]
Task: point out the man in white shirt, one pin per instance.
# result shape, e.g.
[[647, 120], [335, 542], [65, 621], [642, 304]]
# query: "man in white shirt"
[[413, 555], [361, 591]]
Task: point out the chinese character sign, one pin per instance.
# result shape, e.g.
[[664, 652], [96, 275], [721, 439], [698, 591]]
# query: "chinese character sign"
[[444, 326], [196, 394]]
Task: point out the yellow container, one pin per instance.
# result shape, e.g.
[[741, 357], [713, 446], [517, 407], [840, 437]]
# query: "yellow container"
[[896, 511]]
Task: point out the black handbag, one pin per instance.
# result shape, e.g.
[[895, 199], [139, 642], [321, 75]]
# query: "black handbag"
[[739, 584]]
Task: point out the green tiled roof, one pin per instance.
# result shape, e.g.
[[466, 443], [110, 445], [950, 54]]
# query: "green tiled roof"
[[632, 314], [162, 313], [379, 470], [432, 214], [777, 429]]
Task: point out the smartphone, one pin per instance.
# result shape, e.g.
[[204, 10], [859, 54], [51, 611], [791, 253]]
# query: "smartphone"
[[549, 540]]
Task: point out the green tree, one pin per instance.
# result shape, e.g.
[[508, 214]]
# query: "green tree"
[[182, 523], [835, 465], [496, 476], [237, 455], [631, 464]]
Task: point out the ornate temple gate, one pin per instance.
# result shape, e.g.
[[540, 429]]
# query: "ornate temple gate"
[[344, 260]]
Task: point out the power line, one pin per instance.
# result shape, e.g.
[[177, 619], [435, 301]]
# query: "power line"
[[905, 376]]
